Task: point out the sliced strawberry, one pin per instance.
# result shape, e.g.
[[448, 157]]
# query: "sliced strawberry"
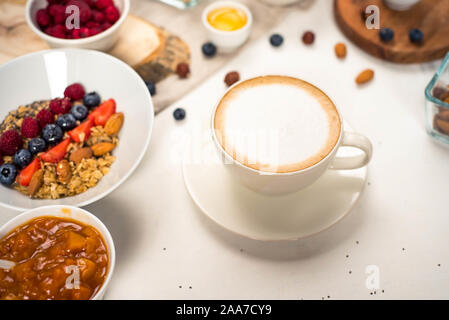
[[82, 132], [26, 174], [104, 111], [57, 153]]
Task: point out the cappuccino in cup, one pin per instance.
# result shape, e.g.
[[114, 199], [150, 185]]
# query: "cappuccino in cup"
[[277, 124], [281, 133]]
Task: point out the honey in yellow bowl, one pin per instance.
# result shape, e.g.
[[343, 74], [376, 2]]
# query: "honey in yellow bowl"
[[227, 19]]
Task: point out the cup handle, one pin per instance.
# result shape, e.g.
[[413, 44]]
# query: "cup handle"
[[356, 140]]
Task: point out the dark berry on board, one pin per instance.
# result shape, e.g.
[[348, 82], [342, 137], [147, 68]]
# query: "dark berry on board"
[[416, 35], [8, 173], [52, 133], [179, 114], [80, 112], [231, 78], [276, 40], [37, 145], [22, 158], [209, 49], [66, 122], [308, 37], [151, 87], [386, 34], [91, 99], [182, 70]]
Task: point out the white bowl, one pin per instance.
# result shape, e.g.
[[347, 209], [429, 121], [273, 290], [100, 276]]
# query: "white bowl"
[[401, 5], [69, 213], [227, 41], [44, 75], [102, 41]]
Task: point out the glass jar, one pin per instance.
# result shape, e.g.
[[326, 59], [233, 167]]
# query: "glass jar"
[[181, 4], [437, 103]]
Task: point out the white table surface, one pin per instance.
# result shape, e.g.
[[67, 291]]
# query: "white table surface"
[[167, 249]]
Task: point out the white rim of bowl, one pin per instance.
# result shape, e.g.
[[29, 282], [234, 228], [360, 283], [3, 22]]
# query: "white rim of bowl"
[[88, 40], [145, 145], [107, 237], [234, 4]]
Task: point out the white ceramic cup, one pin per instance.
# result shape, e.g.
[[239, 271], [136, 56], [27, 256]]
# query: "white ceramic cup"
[[227, 41], [76, 214], [103, 41], [401, 5], [283, 183]]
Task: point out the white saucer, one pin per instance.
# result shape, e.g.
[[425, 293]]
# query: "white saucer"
[[261, 217]]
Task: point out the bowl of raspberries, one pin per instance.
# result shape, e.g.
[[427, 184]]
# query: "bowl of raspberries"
[[71, 131], [88, 24]]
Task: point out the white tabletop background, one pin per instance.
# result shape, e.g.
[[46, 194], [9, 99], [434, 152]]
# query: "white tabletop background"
[[167, 249]]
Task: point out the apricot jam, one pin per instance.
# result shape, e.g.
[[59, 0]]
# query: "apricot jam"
[[227, 19], [55, 258]]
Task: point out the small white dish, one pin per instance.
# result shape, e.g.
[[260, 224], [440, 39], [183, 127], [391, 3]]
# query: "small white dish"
[[250, 214], [102, 41], [227, 41], [77, 214], [401, 5], [44, 75]]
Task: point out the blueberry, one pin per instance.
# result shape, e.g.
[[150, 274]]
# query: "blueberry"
[[8, 173], [276, 40], [52, 133], [91, 99], [80, 112], [386, 34], [37, 145], [179, 114], [209, 49], [22, 158], [151, 87], [66, 121], [416, 35]]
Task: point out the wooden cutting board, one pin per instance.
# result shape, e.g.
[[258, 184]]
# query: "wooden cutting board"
[[153, 52], [431, 16]]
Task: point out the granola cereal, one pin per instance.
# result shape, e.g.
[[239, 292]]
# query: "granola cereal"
[[84, 175]]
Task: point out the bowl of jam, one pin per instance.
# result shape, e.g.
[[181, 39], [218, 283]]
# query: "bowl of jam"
[[56, 253], [228, 24]]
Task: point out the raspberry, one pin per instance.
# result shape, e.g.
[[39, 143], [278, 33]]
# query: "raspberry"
[[85, 11], [60, 106], [75, 91], [10, 142], [92, 24], [45, 117], [105, 26], [84, 32], [95, 30], [57, 11], [112, 14], [56, 31], [29, 128], [75, 34], [101, 4], [66, 105], [42, 18], [98, 16]]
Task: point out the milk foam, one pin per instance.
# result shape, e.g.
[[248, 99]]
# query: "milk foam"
[[275, 124]]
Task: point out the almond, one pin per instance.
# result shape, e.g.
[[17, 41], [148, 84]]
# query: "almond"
[[102, 148], [80, 154], [340, 50], [64, 171], [114, 124], [443, 126], [443, 114], [36, 182], [365, 76]]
